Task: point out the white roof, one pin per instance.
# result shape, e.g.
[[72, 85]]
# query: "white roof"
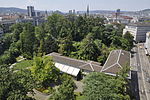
[[67, 69], [75, 72], [59, 66], [70, 70]]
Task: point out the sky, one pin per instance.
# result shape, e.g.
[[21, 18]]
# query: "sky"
[[79, 5]]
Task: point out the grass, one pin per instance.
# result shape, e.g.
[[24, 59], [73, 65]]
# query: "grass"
[[79, 96], [18, 58], [23, 64]]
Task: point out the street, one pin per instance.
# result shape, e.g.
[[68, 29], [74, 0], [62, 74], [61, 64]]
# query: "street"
[[141, 65]]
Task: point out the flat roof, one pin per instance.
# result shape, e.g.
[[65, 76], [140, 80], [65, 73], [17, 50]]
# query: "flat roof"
[[140, 24], [67, 69]]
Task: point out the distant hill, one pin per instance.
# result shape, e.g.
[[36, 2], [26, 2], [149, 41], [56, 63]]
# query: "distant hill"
[[105, 12], [146, 10], [96, 11], [12, 10]]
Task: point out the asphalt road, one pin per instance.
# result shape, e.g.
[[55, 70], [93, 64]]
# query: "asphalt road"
[[142, 67]]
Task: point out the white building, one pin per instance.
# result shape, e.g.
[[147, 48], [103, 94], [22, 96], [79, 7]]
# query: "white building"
[[147, 43], [119, 19], [138, 30]]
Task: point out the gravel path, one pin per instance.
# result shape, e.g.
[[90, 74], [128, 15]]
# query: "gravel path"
[[39, 96]]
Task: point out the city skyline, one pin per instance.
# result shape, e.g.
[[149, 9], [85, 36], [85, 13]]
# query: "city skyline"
[[79, 5]]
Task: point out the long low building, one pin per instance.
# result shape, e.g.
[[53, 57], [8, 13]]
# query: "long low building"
[[73, 66], [116, 60]]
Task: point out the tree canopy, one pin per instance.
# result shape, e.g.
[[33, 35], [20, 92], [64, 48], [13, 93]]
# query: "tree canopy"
[[15, 85], [99, 86], [44, 70], [66, 90]]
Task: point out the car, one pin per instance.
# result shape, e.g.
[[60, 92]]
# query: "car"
[[140, 47]]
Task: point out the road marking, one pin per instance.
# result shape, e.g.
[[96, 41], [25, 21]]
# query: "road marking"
[[143, 76]]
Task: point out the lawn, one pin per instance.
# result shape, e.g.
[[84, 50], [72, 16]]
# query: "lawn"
[[23, 64], [79, 96], [19, 58]]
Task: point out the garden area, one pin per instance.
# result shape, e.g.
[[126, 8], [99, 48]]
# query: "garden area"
[[24, 64]]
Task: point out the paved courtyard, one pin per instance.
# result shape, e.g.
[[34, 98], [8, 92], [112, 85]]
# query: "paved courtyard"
[[79, 85]]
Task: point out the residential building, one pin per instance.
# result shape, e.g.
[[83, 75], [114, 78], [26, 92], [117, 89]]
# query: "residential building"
[[119, 19], [34, 20], [141, 19], [138, 30], [38, 14], [6, 24]]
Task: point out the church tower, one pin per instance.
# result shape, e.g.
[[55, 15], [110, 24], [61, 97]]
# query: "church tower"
[[88, 12]]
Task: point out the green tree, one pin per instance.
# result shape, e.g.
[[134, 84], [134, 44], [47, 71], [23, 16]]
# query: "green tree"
[[16, 30], [44, 71], [40, 36], [65, 90], [116, 41], [99, 86], [7, 58], [88, 49], [15, 85], [66, 46], [14, 49], [130, 40], [54, 24], [27, 39], [123, 82], [51, 44], [5, 42]]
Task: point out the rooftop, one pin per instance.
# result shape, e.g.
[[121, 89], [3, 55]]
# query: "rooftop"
[[140, 24], [116, 60], [85, 65]]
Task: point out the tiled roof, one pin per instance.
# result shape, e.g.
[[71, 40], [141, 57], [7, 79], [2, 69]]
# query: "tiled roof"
[[85, 65], [114, 63], [116, 60]]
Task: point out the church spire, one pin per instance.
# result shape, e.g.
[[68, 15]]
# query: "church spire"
[[88, 12]]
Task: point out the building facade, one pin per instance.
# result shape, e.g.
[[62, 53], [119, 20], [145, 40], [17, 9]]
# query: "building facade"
[[31, 12], [6, 25], [138, 30], [147, 43]]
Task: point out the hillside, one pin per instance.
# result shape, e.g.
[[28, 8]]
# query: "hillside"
[[12, 10]]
